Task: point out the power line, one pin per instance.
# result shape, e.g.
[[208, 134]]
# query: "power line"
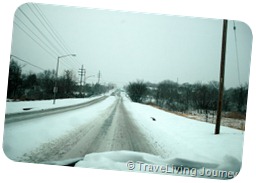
[[27, 62], [237, 57], [47, 29], [47, 39], [47, 43], [42, 41], [54, 34], [39, 44], [67, 66], [38, 9]]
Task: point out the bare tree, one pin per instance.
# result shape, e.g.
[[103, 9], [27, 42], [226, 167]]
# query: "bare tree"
[[15, 80], [137, 91]]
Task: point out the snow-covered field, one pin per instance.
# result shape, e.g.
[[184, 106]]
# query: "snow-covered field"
[[180, 142], [225, 121]]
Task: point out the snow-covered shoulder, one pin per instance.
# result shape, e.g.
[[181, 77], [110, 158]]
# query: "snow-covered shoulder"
[[183, 138]]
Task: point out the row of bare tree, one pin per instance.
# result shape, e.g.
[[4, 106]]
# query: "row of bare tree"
[[188, 97]]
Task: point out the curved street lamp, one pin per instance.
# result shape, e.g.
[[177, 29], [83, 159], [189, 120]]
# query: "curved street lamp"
[[55, 89], [87, 78], [85, 83]]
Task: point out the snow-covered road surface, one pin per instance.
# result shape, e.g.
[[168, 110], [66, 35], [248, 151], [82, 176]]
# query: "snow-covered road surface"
[[113, 131], [108, 128]]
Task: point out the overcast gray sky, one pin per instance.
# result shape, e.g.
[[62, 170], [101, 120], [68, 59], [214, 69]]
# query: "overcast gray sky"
[[126, 46]]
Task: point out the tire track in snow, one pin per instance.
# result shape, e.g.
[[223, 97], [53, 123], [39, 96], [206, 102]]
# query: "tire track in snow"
[[113, 130], [117, 132]]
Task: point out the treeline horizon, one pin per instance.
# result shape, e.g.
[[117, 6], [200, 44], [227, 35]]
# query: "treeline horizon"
[[166, 94], [32, 86], [187, 97]]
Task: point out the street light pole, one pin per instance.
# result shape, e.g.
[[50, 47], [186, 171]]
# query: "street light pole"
[[55, 89]]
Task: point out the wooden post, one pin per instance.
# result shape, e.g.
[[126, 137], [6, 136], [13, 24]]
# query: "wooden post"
[[222, 74]]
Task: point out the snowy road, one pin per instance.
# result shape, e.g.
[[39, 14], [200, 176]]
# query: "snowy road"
[[109, 129], [116, 131]]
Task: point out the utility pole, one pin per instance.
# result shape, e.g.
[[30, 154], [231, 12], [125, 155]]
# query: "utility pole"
[[99, 75], [81, 73], [222, 74]]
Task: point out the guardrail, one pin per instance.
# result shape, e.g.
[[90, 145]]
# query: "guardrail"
[[16, 117]]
